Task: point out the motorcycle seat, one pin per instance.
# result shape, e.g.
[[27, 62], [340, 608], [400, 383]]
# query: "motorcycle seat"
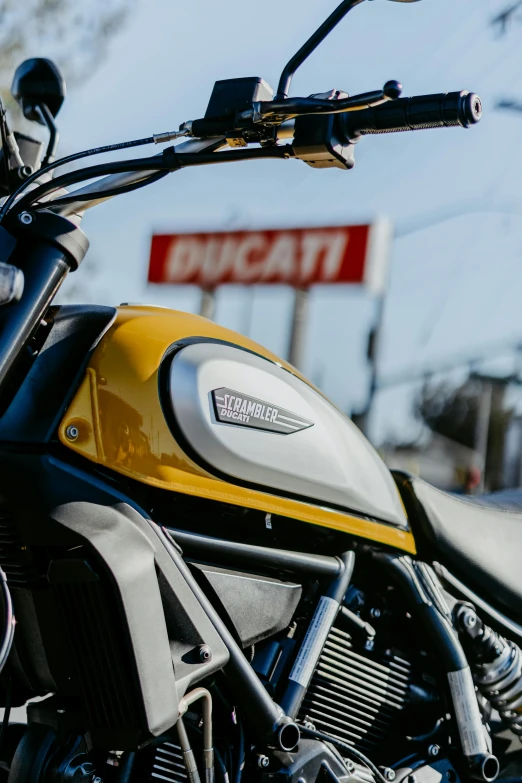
[[478, 538]]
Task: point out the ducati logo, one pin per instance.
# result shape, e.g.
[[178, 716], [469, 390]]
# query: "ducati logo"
[[232, 407]]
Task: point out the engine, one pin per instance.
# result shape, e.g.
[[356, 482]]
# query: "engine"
[[373, 687], [356, 694]]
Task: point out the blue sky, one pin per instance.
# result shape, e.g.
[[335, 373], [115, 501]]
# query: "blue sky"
[[455, 286]]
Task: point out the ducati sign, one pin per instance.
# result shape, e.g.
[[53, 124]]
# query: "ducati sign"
[[232, 407], [297, 257]]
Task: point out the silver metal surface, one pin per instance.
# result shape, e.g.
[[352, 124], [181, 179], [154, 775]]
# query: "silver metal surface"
[[469, 721], [313, 643], [127, 178], [72, 432], [208, 746], [329, 462], [161, 138], [98, 188], [199, 145]]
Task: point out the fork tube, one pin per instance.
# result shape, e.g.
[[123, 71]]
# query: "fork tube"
[[45, 269], [47, 248]]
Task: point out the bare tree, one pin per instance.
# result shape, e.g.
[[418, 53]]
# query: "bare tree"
[[74, 33], [453, 412], [504, 19]]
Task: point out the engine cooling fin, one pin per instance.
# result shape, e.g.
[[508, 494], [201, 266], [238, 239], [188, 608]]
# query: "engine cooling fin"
[[168, 765], [356, 696]]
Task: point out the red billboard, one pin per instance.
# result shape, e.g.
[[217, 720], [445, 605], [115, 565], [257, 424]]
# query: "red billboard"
[[298, 257]]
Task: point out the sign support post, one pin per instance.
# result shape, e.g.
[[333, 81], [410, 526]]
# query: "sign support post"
[[207, 306], [298, 328]]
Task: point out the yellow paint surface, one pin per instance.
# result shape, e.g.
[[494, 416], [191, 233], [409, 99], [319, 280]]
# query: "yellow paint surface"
[[120, 424]]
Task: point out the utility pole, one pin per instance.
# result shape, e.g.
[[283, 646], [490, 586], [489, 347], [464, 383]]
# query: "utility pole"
[[362, 418], [491, 397], [482, 429]]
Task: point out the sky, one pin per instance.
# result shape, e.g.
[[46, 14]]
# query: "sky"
[[454, 195]]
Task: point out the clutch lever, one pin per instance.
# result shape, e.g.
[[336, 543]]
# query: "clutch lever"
[[280, 110]]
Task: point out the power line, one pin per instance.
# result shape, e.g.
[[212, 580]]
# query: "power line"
[[418, 373]]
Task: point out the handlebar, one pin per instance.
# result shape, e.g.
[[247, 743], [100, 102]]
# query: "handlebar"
[[443, 110], [429, 111]]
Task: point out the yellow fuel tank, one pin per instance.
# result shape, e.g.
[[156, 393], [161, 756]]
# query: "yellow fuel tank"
[[158, 404]]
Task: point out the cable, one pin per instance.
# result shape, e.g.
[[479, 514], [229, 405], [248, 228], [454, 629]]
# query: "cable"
[[70, 159], [7, 711], [221, 764], [91, 172], [168, 161], [354, 752], [4, 144], [240, 753], [106, 193], [7, 642]]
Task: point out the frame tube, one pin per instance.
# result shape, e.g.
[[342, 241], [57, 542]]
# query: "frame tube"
[[315, 638], [264, 714], [421, 587], [264, 557]]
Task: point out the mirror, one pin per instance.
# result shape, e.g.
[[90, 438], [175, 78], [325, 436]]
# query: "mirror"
[[38, 81]]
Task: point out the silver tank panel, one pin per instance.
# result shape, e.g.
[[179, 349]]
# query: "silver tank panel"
[[251, 420]]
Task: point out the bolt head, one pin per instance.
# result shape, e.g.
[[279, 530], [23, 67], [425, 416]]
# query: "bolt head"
[[433, 750], [72, 432], [26, 218], [389, 774], [25, 171], [375, 613], [470, 620], [263, 762], [205, 653]]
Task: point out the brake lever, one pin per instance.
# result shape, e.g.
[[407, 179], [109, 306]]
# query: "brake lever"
[[280, 110]]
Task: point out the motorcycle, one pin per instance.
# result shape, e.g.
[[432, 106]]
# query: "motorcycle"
[[212, 572]]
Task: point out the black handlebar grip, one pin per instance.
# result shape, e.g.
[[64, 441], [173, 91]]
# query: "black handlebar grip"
[[445, 110]]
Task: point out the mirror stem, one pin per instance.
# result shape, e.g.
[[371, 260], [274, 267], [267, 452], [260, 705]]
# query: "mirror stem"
[[313, 42], [54, 136]]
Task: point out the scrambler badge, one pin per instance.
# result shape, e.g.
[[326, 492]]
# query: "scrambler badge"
[[232, 407]]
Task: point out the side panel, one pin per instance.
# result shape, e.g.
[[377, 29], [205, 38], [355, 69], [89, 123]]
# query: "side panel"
[[250, 419], [109, 598], [257, 606]]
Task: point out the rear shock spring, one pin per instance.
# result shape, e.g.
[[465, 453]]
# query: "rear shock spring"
[[496, 664]]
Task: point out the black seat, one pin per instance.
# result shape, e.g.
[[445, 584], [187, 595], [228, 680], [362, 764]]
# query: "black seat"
[[479, 539]]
